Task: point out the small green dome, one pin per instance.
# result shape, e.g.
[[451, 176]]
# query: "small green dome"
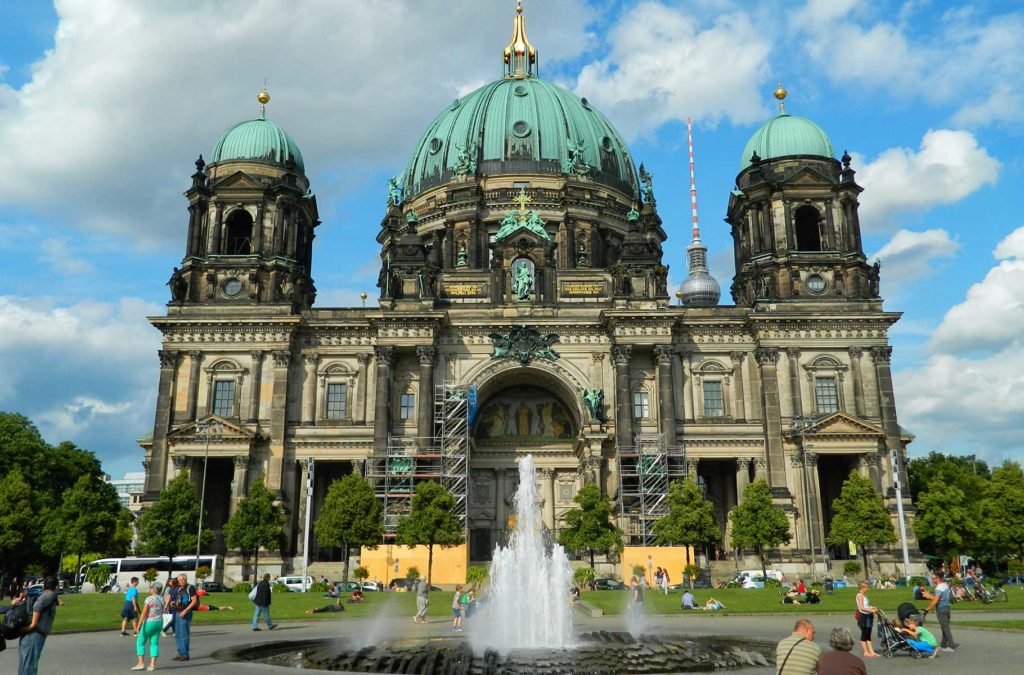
[[787, 136], [258, 139], [519, 125]]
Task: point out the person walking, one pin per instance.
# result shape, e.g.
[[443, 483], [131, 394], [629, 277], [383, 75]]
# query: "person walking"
[[798, 654], [262, 602], [457, 609], [130, 610], [940, 603], [30, 645], [170, 601], [865, 620], [184, 605], [664, 580], [422, 600], [151, 622], [840, 661]]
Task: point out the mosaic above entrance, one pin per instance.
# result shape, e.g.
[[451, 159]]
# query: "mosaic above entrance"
[[524, 414]]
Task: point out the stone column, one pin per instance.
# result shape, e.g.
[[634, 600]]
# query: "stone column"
[[362, 387], [156, 477], [195, 359], [887, 406], [768, 360], [179, 464], [278, 422], [666, 401], [546, 490], [300, 508], [239, 482], [739, 410], [688, 397], [257, 384], [692, 469], [551, 497], [449, 246], [623, 405], [760, 468], [500, 512], [742, 477], [858, 381], [424, 406], [817, 509], [382, 406], [793, 357], [218, 220], [309, 389]]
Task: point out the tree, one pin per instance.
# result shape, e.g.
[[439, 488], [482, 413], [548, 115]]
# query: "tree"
[[350, 516], [690, 520], [169, 526], [943, 520], [757, 523], [431, 522], [966, 472], [54, 469], [18, 521], [1003, 509], [85, 521], [589, 527], [257, 523], [859, 515]]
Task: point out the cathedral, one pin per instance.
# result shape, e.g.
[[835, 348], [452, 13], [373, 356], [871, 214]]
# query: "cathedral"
[[524, 308]]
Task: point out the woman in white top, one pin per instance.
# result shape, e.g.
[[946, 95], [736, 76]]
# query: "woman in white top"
[[865, 620]]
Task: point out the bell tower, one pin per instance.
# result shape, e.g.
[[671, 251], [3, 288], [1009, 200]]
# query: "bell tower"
[[794, 219], [251, 222]]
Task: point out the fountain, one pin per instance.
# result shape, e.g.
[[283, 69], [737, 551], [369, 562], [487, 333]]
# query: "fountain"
[[524, 626], [527, 602]]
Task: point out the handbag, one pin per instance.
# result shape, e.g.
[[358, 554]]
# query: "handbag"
[[252, 594]]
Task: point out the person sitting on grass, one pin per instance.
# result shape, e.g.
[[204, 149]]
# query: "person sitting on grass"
[[713, 605], [687, 601], [919, 637], [356, 597], [336, 607]]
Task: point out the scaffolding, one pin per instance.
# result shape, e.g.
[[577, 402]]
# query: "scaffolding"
[[410, 460], [645, 472]]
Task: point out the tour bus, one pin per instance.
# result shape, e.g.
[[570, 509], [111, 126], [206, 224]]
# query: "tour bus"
[[123, 569]]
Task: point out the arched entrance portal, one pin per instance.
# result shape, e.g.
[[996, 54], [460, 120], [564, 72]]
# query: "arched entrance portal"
[[520, 412]]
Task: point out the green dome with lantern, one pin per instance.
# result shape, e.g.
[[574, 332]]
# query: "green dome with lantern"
[[259, 140], [787, 135], [519, 125]]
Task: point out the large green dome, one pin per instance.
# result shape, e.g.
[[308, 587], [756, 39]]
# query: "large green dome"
[[519, 125], [787, 136], [258, 139]]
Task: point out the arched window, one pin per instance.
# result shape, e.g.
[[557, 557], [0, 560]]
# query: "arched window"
[[808, 235], [238, 233]]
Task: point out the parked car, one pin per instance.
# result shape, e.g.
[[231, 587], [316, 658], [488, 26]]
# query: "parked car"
[[35, 589], [609, 585], [294, 584], [215, 587], [755, 578], [406, 585], [703, 581], [372, 586]]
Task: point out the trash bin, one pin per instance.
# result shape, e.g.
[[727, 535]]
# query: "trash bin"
[[829, 585]]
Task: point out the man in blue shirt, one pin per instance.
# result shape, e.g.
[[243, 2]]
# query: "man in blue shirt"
[[940, 603], [186, 602]]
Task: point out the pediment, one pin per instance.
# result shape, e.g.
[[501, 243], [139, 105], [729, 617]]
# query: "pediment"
[[806, 176], [519, 234], [239, 180], [233, 432], [841, 424]]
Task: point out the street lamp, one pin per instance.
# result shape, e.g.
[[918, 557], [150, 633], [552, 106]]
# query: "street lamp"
[[801, 425], [894, 457], [208, 430]]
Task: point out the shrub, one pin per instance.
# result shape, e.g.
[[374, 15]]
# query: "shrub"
[[151, 574], [817, 584], [914, 580], [202, 572], [691, 572], [851, 568], [279, 588], [477, 574], [1015, 567], [582, 576], [319, 587], [98, 576], [361, 573], [639, 571], [243, 587], [733, 584], [772, 583], [413, 572]]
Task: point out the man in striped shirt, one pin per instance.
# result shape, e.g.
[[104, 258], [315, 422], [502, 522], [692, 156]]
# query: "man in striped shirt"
[[798, 654]]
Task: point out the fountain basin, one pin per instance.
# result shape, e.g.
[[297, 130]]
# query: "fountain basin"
[[596, 653]]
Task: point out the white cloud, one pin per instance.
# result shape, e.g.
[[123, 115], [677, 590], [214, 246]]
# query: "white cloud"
[[54, 252], [128, 97], [909, 255], [662, 66], [948, 166]]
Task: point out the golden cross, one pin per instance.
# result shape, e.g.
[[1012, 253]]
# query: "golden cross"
[[523, 200]]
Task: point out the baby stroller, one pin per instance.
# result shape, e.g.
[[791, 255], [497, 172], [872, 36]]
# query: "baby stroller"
[[894, 641], [909, 610]]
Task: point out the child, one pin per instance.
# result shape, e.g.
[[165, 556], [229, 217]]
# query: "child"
[[919, 637], [457, 609]]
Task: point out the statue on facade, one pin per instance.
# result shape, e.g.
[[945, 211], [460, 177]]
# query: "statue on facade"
[[461, 258], [178, 285], [522, 281], [620, 280], [660, 280], [594, 400], [575, 164], [873, 279], [286, 288], [384, 276], [647, 185], [428, 280], [582, 257], [394, 192], [465, 162], [766, 286]]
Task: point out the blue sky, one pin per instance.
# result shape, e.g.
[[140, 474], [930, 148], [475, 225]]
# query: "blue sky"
[[105, 104]]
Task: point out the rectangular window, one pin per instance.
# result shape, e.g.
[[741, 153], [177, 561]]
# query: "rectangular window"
[[224, 398], [714, 404], [641, 405], [521, 185], [407, 407], [826, 394], [337, 401]]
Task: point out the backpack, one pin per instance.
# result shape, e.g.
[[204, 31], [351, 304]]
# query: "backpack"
[[16, 619]]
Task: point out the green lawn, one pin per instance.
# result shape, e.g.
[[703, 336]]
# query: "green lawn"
[[1011, 624], [99, 611]]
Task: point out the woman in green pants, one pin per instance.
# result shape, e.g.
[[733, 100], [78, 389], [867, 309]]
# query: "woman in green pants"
[[150, 624]]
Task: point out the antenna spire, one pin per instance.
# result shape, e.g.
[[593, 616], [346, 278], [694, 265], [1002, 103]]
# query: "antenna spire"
[[693, 179]]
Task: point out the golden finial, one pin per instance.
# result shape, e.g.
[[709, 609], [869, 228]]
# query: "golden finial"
[[363, 296], [520, 56], [264, 98], [780, 96]]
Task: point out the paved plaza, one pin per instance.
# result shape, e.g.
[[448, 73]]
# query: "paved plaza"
[[104, 653]]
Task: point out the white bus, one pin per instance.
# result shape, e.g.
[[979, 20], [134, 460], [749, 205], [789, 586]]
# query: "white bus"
[[123, 569]]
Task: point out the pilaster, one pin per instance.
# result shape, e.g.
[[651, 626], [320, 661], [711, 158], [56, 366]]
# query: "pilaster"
[[385, 357], [278, 421], [156, 477], [768, 360], [666, 403], [624, 413], [427, 355]]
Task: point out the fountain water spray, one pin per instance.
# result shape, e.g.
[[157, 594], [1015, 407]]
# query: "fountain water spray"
[[527, 606]]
